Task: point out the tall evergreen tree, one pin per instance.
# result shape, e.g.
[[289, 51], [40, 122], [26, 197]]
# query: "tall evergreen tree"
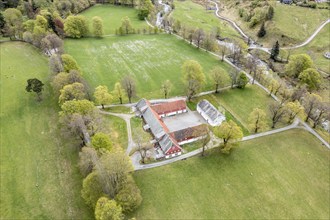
[[262, 31], [275, 51]]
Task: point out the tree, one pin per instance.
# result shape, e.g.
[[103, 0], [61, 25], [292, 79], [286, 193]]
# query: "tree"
[[126, 25], [129, 197], [118, 92], [310, 103], [199, 37], [233, 77], [275, 51], [13, 22], [294, 109], [274, 86], [277, 112], [51, 44], [262, 31], [69, 63], [72, 91], [270, 13], [298, 93], [209, 43], [166, 88], [223, 50], [193, 77], [55, 64], [141, 146], [257, 120], [87, 160], [97, 26], [219, 77], [311, 77], [128, 84], [297, 64], [59, 81], [76, 26], [107, 209], [322, 110], [145, 7], [102, 96], [242, 80], [205, 141], [228, 131], [101, 141], [2, 21], [92, 189], [35, 85]]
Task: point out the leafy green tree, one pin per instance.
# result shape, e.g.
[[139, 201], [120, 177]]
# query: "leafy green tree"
[[92, 189], [76, 26], [297, 64], [311, 77], [228, 131], [101, 141], [69, 63], [294, 109], [118, 92], [126, 25], [242, 80], [72, 91], [275, 51], [145, 7], [257, 120], [219, 77], [97, 26], [13, 22], [81, 107], [107, 209], [193, 77], [59, 81], [35, 85], [102, 96], [129, 197]]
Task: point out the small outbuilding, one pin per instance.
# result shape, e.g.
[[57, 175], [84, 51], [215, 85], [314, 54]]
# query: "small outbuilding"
[[210, 113]]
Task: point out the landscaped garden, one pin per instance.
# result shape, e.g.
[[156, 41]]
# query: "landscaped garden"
[[150, 59], [281, 176], [39, 176]]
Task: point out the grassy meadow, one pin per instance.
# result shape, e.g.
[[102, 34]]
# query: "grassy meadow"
[[112, 17], [316, 49], [150, 59], [39, 174], [118, 131], [290, 25], [283, 176]]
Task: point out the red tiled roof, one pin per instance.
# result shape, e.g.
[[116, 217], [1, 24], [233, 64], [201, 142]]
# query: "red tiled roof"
[[168, 107]]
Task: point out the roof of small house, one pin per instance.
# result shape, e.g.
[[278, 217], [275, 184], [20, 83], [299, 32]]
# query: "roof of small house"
[[188, 133], [168, 107], [209, 109]]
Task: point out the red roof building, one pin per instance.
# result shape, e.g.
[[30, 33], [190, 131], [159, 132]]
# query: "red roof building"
[[170, 108]]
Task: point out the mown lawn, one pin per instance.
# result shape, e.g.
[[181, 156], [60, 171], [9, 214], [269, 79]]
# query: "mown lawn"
[[193, 15], [39, 174], [239, 103], [112, 17], [283, 176], [150, 59], [316, 49], [138, 132]]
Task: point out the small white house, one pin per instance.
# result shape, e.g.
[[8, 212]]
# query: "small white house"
[[210, 113]]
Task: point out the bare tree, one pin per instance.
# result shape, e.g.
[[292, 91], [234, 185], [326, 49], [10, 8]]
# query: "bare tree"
[[166, 88], [298, 93], [205, 141], [128, 84], [310, 103], [141, 146], [233, 77], [199, 37], [277, 112], [223, 50], [321, 113]]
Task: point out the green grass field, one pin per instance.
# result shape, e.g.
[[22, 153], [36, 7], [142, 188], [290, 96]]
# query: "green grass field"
[[150, 59], [283, 176], [194, 15], [317, 48], [39, 174], [112, 16], [290, 25], [137, 130], [118, 131]]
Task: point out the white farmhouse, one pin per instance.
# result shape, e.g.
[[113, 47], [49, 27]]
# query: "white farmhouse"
[[210, 113]]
